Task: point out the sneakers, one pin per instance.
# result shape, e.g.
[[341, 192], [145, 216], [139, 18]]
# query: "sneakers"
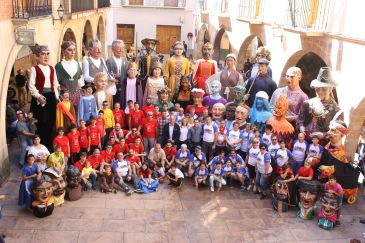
[[249, 187], [242, 188], [212, 189], [254, 188], [138, 190]]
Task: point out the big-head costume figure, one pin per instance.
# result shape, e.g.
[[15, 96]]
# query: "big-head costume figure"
[[73, 178], [59, 186], [327, 216], [280, 196], [308, 194], [43, 203]]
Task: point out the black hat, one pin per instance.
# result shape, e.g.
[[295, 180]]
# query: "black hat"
[[87, 85], [324, 79]]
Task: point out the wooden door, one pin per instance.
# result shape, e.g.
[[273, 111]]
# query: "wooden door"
[[167, 35], [135, 2], [125, 32]]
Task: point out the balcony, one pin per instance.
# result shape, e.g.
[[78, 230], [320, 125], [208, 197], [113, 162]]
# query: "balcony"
[[154, 3], [103, 3], [308, 15], [27, 9], [80, 6]]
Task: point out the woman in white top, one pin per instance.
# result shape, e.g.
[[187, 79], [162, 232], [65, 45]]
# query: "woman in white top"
[[40, 152], [233, 139], [183, 131], [251, 159], [263, 170]]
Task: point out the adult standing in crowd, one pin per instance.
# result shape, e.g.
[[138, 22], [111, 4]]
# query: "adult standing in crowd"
[[146, 61], [69, 72], [44, 87], [117, 66], [21, 82], [294, 94], [171, 131], [261, 82]]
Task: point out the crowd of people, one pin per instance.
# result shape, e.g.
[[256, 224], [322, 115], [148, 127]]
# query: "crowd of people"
[[132, 125]]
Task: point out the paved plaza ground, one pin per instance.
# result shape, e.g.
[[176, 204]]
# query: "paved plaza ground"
[[186, 215]]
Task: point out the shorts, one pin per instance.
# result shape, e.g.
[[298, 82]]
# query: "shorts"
[[251, 171]]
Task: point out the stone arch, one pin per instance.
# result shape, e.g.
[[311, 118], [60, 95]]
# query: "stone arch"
[[87, 35], [69, 35], [248, 50], [202, 38], [357, 119], [100, 31], [4, 154], [219, 54], [310, 62]]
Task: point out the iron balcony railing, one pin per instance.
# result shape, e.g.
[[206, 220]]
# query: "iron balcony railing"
[[308, 14], [25, 9], [103, 3], [246, 9], [81, 5], [155, 3]]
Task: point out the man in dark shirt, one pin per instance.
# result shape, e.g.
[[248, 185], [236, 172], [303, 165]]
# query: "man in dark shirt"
[[262, 82]]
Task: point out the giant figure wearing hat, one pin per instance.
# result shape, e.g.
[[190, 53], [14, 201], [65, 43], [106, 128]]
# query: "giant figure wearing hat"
[[146, 60], [204, 68], [44, 87], [261, 82], [294, 94], [316, 113]]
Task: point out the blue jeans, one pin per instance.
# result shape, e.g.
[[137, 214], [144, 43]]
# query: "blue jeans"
[[262, 181], [23, 143], [295, 165]]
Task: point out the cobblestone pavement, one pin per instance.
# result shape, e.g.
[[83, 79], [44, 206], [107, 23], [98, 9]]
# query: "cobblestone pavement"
[[186, 215]]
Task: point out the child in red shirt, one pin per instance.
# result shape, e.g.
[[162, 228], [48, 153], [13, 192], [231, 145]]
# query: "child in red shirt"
[[305, 172], [63, 142], [93, 135], [127, 112], [83, 137], [73, 137], [131, 136], [100, 123]]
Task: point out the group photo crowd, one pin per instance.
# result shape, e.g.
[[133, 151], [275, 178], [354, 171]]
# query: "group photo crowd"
[[126, 125]]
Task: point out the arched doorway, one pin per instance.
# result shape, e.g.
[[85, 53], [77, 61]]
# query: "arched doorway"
[[87, 36], [203, 37], [247, 52], [100, 31], [70, 36], [222, 46]]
